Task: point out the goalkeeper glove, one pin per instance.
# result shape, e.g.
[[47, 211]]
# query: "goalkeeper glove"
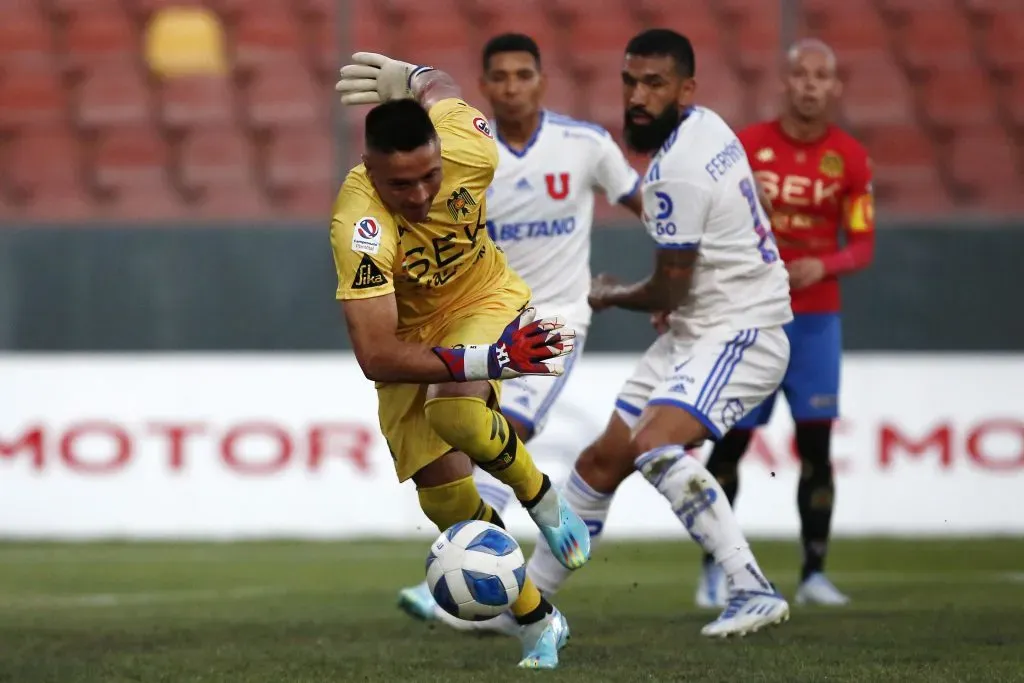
[[374, 78], [525, 347]]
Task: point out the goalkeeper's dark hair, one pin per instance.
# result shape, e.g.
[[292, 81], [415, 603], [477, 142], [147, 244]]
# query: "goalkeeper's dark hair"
[[510, 42], [398, 126], [663, 42]]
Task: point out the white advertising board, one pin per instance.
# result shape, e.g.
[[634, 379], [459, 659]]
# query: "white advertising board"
[[234, 446]]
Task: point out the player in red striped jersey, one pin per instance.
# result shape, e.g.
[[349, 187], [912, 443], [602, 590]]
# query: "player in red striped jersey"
[[818, 180]]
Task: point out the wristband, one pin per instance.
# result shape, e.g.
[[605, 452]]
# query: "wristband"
[[468, 363], [416, 72]]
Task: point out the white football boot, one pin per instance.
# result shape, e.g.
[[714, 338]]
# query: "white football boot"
[[712, 588], [748, 612], [816, 589], [543, 640]]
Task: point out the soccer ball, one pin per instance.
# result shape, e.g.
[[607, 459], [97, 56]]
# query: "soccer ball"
[[475, 570]]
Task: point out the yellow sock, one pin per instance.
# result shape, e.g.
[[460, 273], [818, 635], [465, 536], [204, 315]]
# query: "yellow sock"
[[528, 601], [454, 502], [485, 436]]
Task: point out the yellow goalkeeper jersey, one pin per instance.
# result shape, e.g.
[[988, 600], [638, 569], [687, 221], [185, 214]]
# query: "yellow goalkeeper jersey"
[[444, 264]]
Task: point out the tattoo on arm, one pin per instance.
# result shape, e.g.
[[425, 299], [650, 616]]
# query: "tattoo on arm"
[[666, 289], [430, 87]]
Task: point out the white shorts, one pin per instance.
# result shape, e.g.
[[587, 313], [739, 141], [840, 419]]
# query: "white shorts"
[[717, 378], [529, 399]]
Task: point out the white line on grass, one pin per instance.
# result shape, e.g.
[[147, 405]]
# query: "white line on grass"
[[145, 598]]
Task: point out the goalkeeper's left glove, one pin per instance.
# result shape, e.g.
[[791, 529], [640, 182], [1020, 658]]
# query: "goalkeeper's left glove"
[[372, 78], [526, 347]]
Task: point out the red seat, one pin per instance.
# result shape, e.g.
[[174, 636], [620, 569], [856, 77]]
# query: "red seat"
[[1014, 102], [756, 41], [131, 170], [958, 96], [767, 93], [284, 94], [113, 94], [905, 169], [601, 32], [75, 8], [44, 164], [193, 101], [562, 93], [218, 169], [31, 94], [876, 93], [934, 38], [324, 51], [100, 37], [602, 98], [982, 10], [718, 89], [266, 36], [982, 160], [1002, 41], [300, 169], [25, 35], [319, 10], [366, 31], [692, 18], [853, 29]]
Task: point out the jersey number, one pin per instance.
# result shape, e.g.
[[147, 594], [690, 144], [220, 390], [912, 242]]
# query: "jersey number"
[[768, 253]]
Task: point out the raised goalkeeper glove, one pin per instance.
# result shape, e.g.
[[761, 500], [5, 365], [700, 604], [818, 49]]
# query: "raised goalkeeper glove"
[[372, 78], [524, 348]]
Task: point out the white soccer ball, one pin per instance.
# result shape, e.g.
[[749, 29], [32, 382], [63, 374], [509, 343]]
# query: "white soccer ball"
[[475, 570]]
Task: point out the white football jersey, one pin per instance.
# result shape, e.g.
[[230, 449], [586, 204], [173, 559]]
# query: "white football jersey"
[[540, 208], [699, 193]]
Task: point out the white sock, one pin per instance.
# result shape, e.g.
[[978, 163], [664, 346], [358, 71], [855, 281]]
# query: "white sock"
[[547, 572], [699, 502], [493, 492]]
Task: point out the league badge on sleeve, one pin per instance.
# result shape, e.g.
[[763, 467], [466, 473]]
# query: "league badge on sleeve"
[[481, 125], [366, 235]]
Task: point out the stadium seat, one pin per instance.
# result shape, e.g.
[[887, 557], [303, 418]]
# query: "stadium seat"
[[324, 50], [192, 101], [562, 94], [218, 170], [957, 95], [75, 8], [301, 169], [605, 32], [767, 97], [265, 36], [44, 171], [130, 170], [284, 94], [112, 94], [905, 169], [184, 41], [1013, 102], [25, 34], [1002, 41], [982, 160], [853, 29], [91, 39], [319, 10], [31, 95], [934, 38], [699, 24], [755, 37], [602, 99], [875, 92], [718, 89]]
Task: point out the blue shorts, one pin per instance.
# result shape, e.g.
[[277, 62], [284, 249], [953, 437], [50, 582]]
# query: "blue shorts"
[[811, 383]]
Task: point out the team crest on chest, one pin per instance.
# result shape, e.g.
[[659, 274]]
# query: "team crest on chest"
[[459, 204], [831, 165], [765, 155], [558, 186]]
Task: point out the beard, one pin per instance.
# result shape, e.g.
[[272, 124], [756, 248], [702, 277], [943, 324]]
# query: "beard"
[[648, 137]]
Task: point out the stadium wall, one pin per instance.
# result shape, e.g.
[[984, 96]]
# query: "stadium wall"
[[270, 288]]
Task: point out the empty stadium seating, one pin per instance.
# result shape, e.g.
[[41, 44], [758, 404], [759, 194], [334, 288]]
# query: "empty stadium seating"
[[97, 123]]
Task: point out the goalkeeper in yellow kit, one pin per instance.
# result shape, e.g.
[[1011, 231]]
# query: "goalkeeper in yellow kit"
[[437, 317]]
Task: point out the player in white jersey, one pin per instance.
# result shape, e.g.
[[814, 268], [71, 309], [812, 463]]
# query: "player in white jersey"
[[540, 208], [719, 273]]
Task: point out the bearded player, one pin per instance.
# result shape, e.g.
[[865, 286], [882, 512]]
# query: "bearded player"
[[718, 270], [818, 180], [437, 316], [540, 209]]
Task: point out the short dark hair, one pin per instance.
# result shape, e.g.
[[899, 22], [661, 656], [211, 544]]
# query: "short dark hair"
[[510, 42], [398, 126], [658, 42]]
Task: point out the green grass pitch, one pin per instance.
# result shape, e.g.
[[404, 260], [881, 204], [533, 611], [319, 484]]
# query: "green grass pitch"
[[286, 612]]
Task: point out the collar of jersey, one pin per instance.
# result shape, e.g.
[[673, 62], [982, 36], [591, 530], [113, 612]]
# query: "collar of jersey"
[[530, 143]]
